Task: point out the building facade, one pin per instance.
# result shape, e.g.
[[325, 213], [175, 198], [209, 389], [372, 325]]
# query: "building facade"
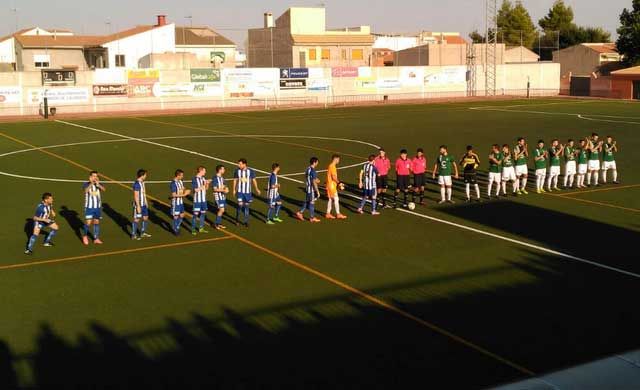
[[299, 38], [207, 45], [588, 58]]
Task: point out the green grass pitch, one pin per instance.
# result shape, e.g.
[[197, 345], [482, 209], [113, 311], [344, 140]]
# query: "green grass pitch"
[[464, 295]]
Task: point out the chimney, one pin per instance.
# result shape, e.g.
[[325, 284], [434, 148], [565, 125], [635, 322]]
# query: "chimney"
[[162, 20], [268, 20]]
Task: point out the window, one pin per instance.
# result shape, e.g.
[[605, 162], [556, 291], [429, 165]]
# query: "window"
[[344, 54], [120, 61], [325, 54], [41, 60], [313, 55], [357, 54]]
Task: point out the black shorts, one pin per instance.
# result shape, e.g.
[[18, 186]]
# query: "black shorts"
[[402, 182], [470, 178], [382, 182], [418, 180]]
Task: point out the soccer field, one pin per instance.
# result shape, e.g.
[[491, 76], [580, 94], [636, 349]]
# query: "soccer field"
[[463, 295]]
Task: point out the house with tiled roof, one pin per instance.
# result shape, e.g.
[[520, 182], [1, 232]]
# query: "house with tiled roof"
[[588, 58], [299, 38], [207, 45]]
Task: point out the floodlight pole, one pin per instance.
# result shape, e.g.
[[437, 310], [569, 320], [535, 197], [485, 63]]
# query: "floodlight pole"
[[491, 49]]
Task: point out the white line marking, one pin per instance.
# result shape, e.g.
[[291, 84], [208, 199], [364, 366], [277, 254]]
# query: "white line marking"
[[14, 175], [606, 120], [507, 239], [523, 243]]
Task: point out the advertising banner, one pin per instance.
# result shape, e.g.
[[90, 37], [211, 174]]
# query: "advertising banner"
[[112, 90], [206, 89], [294, 73], [115, 76], [10, 95], [205, 75], [172, 90], [344, 71], [250, 82], [445, 76], [411, 77], [59, 95], [293, 84], [143, 76], [140, 90], [318, 84], [387, 83]]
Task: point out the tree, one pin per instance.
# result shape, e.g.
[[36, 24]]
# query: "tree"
[[628, 43], [476, 37], [560, 30], [515, 24], [559, 17], [596, 34]]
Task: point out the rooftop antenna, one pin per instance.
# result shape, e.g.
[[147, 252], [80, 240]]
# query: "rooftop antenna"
[[15, 15]]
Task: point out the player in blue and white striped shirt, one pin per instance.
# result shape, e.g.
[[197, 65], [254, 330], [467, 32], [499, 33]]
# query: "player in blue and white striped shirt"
[[43, 218], [178, 193], [367, 182], [220, 191], [312, 192], [92, 208], [200, 185], [243, 178], [273, 192], [140, 206]]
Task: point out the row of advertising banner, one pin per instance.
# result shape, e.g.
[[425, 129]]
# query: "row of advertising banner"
[[242, 83]]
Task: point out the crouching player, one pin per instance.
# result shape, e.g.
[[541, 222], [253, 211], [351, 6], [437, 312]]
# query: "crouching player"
[[273, 192], [178, 193], [610, 148], [367, 182], [43, 218], [92, 208], [220, 191]]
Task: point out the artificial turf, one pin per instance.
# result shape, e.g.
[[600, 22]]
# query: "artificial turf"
[[295, 304]]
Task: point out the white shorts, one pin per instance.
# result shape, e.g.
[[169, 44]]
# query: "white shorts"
[[582, 169], [570, 168], [508, 174], [609, 165], [522, 170], [541, 172], [495, 176], [554, 171], [594, 165], [445, 180]]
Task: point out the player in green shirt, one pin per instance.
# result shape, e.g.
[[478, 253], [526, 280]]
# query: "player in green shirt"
[[540, 157], [521, 154], [594, 146], [495, 168], [583, 161], [555, 153], [610, 148], [443, 167], [508, 171], [570, 167]]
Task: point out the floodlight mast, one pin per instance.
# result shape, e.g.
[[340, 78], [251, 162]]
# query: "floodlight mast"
[[491, 46]]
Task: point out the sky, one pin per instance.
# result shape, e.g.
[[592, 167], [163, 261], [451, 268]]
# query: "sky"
[[233, 17]]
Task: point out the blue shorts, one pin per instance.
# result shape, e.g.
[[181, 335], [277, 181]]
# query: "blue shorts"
[[221, 203], [311, 197], [200, 207], [176, 210], [274, 200], [245, 198], [144, 212], [370, 193], [94, 213]]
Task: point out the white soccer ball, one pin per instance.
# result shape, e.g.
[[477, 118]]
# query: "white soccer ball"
[[411, 206]]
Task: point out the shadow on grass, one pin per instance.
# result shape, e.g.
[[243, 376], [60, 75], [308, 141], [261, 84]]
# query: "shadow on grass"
[[540, 311], [123, 222], [73, 220]]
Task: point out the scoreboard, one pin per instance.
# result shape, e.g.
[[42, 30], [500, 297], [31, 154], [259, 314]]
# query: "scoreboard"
[[58, 77]]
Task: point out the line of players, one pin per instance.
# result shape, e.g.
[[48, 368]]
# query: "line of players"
[[505, 166]]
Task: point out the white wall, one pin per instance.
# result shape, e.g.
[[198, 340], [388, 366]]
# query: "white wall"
[[204, 53], [8, 51], [158, 40], [395, 43]]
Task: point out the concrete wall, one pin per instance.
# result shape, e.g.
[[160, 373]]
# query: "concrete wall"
[[520, 54], [579, 60], [203, 54], [59, 58], [247, 87], [307, 20], [7, 51], [263, 42]]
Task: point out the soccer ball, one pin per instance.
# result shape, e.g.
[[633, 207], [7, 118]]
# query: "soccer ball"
[[341, 186], [411, 206]]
